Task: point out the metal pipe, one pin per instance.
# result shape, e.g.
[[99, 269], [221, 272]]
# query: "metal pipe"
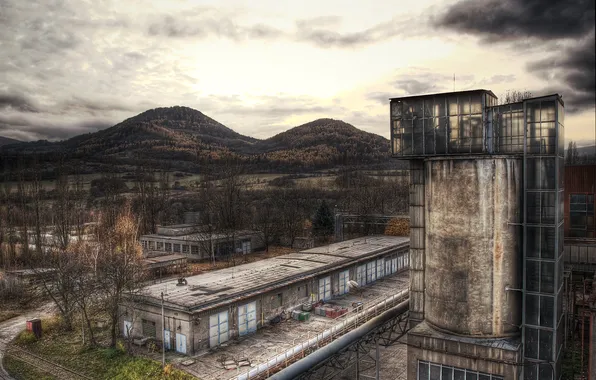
[[340, 343]]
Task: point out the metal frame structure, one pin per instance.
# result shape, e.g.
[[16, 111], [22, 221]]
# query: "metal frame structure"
[[357, 353], [542, 306]]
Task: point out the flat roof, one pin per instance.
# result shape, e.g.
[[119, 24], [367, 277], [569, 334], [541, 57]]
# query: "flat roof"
[[443, 94], [221, 287], [164, 260], [198, 236]]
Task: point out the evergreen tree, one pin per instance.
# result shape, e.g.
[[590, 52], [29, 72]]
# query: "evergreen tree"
[[323, 222]]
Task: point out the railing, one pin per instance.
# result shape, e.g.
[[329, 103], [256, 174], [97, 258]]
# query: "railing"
[[344, 323]]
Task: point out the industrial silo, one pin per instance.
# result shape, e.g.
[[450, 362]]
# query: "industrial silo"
[[486, 183]]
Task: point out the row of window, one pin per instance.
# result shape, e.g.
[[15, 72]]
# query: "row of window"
[[373, 270], [242, 247], [433, 371]]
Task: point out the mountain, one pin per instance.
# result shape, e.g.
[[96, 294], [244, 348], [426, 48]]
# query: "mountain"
[[586, 150], [7, 140], [185, 139], [325, 141], [162, 133]]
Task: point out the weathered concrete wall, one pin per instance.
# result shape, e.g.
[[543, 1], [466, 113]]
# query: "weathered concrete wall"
[[461, 354], [472, 252], [175, 322]]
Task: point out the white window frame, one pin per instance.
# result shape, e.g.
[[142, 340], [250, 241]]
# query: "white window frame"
[[344, 279], [371, 272], [325, 288], [380, 268], [218, 328], [361, 274]]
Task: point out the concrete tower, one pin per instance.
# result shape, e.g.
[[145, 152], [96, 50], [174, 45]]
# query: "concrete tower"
[[486, 234]]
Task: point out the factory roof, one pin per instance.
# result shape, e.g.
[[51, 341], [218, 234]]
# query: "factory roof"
[[221, 287], [443, 94]]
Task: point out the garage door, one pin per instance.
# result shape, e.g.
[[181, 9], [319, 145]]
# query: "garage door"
[[218, 328], [344, 278], [361, 275], [181, 343], [247, 318], [325, 288]]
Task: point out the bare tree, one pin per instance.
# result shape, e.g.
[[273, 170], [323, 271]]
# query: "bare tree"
[[292, 213], [119, 269], [61, 284], [514, 96], [79, 204], [63, 212], [85, 285], [151, 199], [227, 207], [266, 220], [22, 196]]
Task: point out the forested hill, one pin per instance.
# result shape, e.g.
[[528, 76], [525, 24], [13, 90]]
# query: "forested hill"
[[185, 139]]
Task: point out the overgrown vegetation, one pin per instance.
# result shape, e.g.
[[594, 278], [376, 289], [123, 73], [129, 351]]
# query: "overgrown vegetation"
[[64, 348], [21, 370]]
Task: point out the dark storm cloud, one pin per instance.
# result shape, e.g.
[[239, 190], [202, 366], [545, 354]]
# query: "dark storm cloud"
[[513, 19], [576, 67], [16, 102], [542, 24], [320, 32]]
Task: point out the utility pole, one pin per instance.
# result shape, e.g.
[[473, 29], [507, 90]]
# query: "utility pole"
[[163, 335]]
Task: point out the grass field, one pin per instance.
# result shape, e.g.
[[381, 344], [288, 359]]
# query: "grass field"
[[65, 349]]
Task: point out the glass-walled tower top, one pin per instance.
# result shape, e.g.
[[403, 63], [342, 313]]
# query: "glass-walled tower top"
[[470, 122]]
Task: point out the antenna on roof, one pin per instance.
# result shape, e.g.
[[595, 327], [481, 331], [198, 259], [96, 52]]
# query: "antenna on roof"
[[453, 82]]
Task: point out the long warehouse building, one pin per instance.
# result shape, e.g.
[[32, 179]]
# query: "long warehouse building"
[[207, 310]]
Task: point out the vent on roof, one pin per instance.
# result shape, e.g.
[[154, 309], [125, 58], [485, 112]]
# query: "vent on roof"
[[289, 266]]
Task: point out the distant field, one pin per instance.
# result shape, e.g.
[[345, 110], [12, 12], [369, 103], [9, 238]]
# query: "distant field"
[[321, 179]]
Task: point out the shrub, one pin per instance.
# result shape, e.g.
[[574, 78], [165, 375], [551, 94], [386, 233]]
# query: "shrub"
[[120, 347], [111, 353], [51, 324], [26, 337]]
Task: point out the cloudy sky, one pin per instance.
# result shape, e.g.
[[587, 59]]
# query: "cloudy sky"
[[260, 67]]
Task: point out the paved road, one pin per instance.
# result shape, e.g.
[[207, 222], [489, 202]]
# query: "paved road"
[[10, 328]]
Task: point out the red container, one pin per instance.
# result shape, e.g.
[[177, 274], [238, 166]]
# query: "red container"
[[34, 325]]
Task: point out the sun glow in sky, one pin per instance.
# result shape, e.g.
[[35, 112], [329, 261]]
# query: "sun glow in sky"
[[262, 67]]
